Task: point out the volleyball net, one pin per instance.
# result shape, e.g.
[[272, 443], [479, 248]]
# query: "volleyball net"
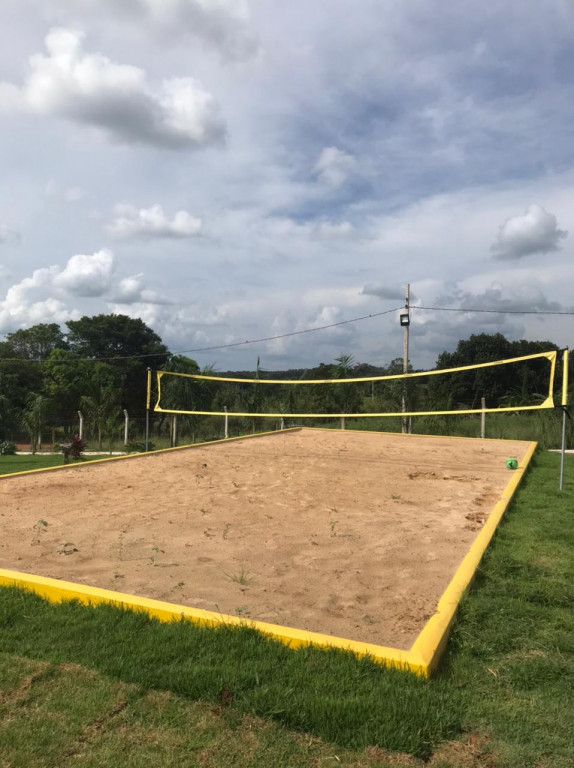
[[526, 383]]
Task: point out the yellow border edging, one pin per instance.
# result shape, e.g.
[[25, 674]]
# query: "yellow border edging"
[[424, 654], [432, 640], [56, 591]]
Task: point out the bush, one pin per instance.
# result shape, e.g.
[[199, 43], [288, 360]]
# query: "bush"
[[73, 449], [77, 447], [7, 448]]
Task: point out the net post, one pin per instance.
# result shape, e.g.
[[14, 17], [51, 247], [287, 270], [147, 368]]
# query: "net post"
[[564, 406], [147, 405], [226, 427], [483, 417], [406, 323]]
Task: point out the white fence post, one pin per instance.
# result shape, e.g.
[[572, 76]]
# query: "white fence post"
[[483, 417], [126, 426], [81, 432], [226, 422]]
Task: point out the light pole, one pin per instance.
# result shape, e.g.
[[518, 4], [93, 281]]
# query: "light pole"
[[405, 320]]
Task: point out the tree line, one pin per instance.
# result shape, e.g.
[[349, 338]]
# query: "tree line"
[[98, 365]]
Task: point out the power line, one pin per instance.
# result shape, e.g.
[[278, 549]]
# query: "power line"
[[541, 313], [207, 349], [493, 311]]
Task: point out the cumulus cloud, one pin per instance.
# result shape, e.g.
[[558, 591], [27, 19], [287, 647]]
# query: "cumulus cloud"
[[147, 223], [87, 275], [334, 167], [132, 290], [43, 297], [180, 326], [25, 302], [534, 232], [92, 90]]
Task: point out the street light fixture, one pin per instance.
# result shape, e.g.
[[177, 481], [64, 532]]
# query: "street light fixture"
[[405, 319]]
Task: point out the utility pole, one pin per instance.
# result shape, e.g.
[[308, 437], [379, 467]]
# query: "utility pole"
[[405, 318]]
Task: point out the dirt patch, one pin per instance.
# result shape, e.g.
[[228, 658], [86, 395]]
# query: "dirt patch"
[[339, 532]]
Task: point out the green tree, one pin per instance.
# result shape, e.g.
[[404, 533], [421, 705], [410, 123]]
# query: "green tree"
[[128, 345], [37, 342], [520, 380]]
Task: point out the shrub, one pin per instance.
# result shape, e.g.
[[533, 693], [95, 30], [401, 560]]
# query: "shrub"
[[77, 447], [7, 448]]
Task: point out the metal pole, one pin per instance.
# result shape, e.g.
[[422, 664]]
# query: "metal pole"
[[342, 422], [226, 422], [148, 401], [565, 361], [126, 426], [483, 417], [175, 430], [81, 433], [563, 451], [405, 426]]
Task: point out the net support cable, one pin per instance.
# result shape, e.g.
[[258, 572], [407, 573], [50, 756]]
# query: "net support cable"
[[547, 403]]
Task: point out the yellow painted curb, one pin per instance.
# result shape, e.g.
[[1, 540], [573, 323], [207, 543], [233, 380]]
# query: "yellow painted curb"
[[57, 591], [432, 640]]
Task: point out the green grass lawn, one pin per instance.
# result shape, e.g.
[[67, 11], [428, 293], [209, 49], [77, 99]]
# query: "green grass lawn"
[[103, 687], [10, 464]]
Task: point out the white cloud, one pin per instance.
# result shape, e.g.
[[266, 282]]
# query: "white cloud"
[[147, 223], [334, 166], [132, 290], [25, 302], [534, 232], [181, 327], [87, 275], [90, 89]]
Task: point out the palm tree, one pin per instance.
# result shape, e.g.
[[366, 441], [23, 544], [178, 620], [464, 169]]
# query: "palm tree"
[[34, 417], [101, 408]]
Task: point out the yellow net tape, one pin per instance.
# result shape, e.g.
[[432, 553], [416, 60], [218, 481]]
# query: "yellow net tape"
[[548, 355], [565, 358], [547, 403]]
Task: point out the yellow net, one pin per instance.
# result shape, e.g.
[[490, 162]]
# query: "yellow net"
[[208, 403]]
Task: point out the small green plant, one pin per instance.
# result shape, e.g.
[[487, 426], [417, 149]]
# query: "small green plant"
[[156, 551], [38, 528], [7, 448], [242, 578], [241, 610]]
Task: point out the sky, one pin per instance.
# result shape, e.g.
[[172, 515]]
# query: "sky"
[[228, 170]]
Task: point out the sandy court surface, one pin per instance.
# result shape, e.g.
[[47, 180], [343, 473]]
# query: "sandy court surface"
[[346, 533]]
